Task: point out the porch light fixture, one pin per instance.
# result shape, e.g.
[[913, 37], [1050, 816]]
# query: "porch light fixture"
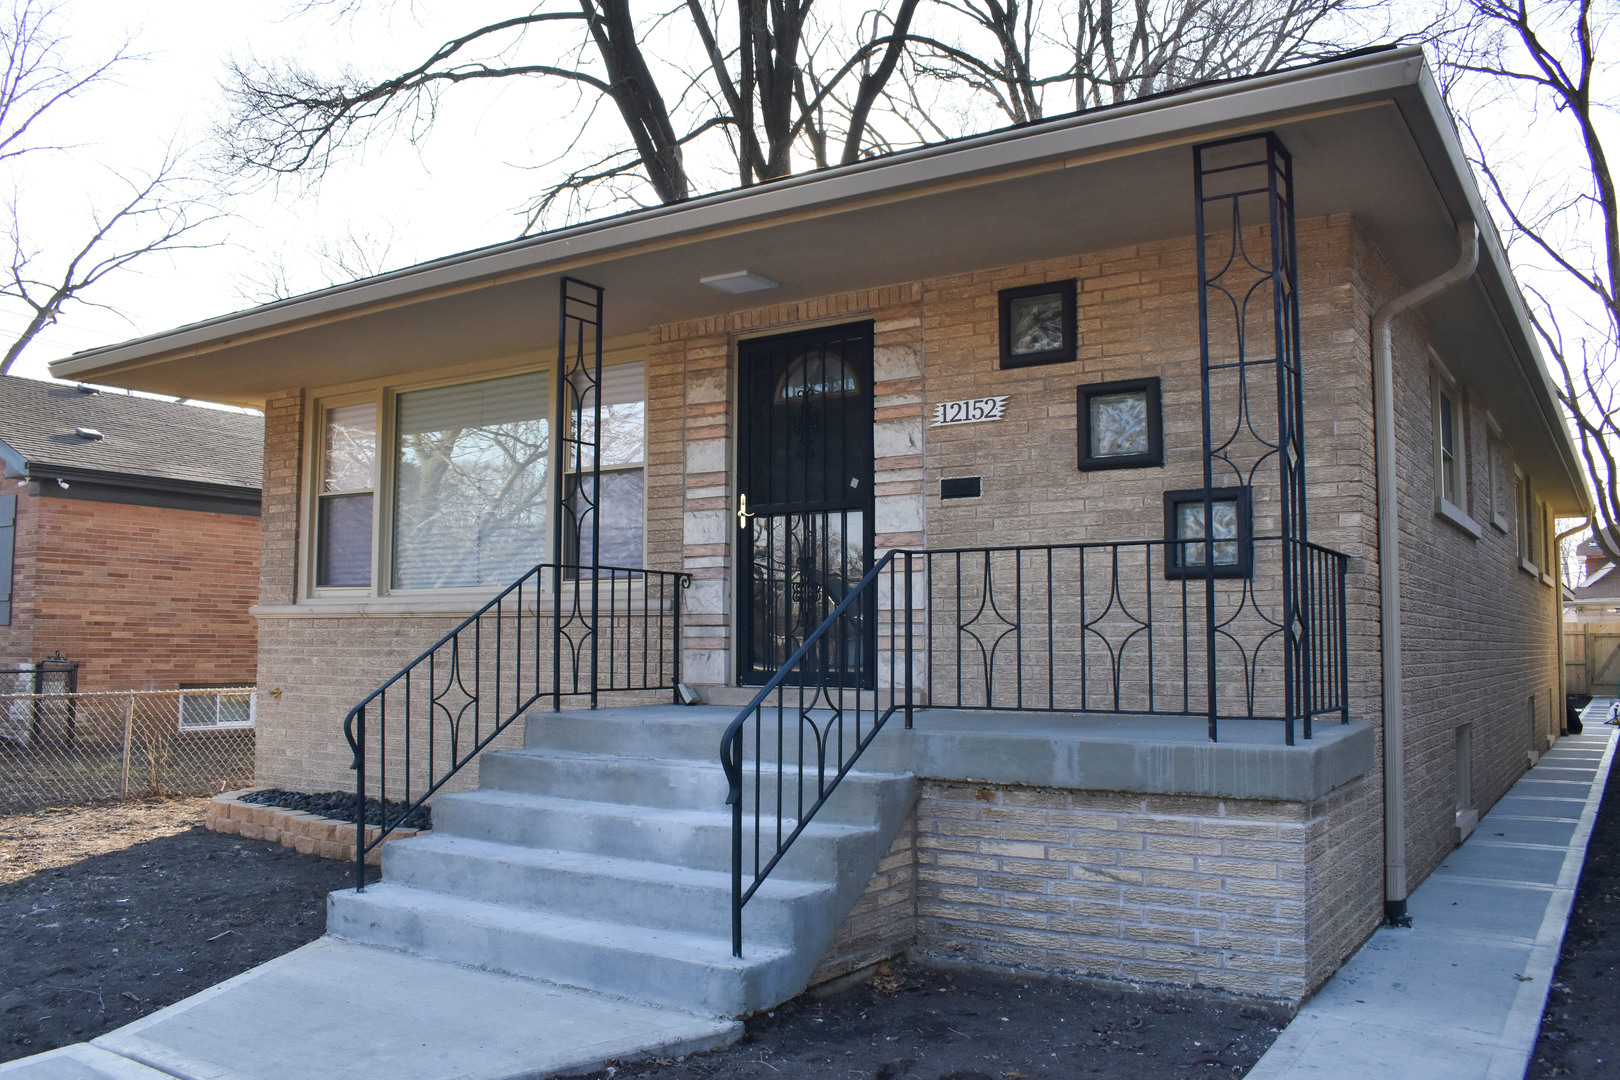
[[1038, 324], [1232, 535], [1120, 425], [740, 281]]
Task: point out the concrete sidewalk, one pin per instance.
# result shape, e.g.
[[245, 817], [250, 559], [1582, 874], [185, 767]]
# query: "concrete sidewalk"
[[1460, 994], [335, 1009]]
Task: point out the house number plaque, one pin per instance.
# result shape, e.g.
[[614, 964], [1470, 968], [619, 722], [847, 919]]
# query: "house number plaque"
[[972, 411]]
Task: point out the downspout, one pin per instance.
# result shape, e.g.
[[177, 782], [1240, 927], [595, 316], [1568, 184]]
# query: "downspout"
[[1389, 566]]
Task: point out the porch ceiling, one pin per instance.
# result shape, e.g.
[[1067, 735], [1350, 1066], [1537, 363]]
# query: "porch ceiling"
[[1368, 136]]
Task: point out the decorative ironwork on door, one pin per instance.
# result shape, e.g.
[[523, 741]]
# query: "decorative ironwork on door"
[[804, 502]]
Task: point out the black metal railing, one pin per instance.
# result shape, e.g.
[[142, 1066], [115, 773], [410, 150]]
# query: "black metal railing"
[[1124, 627], [788, 749], [1114, 628], [440, 711]]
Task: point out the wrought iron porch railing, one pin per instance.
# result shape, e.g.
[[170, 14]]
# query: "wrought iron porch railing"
[[1083, 628], [827, 704], [612, 629], [1134, 627]]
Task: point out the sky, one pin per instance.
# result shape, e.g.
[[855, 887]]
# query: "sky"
[[463, 188]]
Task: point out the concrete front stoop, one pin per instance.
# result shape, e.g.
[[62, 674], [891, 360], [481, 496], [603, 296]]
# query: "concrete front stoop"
[[598, 857], [575, 909]]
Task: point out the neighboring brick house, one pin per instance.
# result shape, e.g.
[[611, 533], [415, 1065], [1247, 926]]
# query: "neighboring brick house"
[[130, 536], [1009, 343]]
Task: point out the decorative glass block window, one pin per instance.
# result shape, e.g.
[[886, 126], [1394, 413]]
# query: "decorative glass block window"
[[1120, 425], [344, 504], [1229, 544], [470, 482], [1038, 324]]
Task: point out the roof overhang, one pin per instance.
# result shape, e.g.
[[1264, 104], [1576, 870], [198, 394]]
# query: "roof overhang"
[[1369, 137]]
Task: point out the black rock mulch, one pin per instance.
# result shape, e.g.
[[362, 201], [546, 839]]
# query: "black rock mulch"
[[340, 806]]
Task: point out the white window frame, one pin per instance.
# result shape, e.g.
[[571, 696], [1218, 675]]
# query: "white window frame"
[[311, 511], [1524, 522], [218, 694], [1452, 472], [385, 395]]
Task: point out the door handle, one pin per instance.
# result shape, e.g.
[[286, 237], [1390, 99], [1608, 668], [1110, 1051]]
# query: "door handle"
[[743, 516]]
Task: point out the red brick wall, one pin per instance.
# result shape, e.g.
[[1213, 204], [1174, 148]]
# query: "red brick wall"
[[141, 597]]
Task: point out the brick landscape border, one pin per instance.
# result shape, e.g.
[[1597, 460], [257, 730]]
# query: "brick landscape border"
[[308, 834]]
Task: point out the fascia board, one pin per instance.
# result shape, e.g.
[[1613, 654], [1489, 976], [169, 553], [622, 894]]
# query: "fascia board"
[[136, 482], [1177, 118], [1431, 125]]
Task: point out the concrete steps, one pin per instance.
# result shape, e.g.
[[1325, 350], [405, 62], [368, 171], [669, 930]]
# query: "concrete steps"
[[599, 855]]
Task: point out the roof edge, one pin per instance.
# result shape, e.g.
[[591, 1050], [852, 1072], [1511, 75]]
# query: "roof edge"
[[1375, 74]]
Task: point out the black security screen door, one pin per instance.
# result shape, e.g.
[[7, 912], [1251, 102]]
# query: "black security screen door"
[[805, 499]]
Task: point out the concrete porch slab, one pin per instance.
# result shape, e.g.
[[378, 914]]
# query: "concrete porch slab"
[[1152, 755], [333, 1008]]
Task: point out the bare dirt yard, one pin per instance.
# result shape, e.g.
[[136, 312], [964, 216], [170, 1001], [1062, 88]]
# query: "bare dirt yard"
[[109, 912]]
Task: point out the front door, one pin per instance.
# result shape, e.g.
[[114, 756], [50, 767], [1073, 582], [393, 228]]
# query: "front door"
[[804, 484]]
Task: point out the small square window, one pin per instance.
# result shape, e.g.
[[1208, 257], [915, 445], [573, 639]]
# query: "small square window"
[[1038, 324], [1231, 549], [1120, 425]]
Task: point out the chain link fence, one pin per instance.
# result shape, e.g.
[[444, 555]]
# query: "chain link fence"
[[60, 749]]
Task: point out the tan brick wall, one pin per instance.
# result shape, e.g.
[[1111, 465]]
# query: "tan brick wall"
[[283, 457], [883, 922], [142, 597], [1190, 891]]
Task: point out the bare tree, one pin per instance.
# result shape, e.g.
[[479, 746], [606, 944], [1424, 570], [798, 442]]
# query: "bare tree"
[[1547, 58], [152, 213], [762, 88], [1103, 52]]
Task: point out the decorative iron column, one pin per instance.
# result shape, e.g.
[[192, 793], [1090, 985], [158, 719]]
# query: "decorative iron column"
[[1248, 322], [575, 521]]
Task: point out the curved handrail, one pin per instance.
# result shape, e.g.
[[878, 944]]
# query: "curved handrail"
[[531, 583], [731, 742]]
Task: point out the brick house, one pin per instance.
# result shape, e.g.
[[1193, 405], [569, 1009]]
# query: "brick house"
[[129, 536], [1203, 549]]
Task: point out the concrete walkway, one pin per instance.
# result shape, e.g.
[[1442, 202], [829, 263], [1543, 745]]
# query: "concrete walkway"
[[335, 1009], [1460, 994]]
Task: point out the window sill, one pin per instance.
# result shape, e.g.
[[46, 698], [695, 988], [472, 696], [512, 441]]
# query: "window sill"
[[1530, 568], [1455, 514], [1502, 524], [1547, 579], [375, 607]]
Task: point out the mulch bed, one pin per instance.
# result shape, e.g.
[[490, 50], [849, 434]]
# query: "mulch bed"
[[110, 912], [1580, 1031], [339, 805]]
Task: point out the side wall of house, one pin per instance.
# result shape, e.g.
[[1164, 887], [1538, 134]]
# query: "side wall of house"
[[1479, 634], [142, 597]]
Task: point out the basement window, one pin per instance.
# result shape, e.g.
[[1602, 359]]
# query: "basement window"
[[215, 708]]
